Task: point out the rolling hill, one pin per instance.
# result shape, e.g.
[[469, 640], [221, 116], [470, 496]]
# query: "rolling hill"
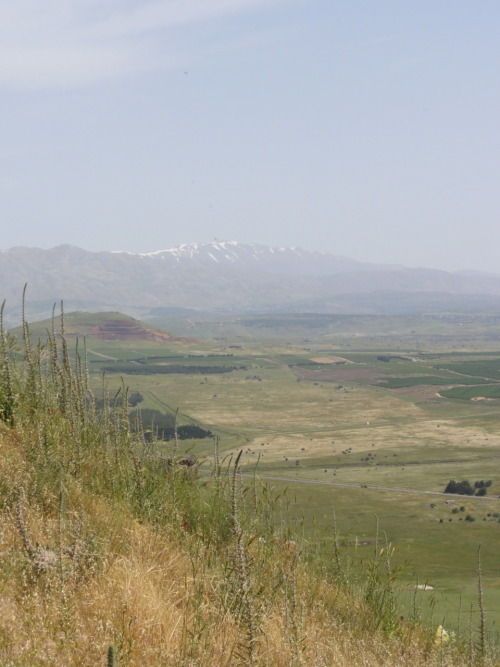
[[106, 326]]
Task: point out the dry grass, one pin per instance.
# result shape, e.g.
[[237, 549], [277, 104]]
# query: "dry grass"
[[103, 545], [163, 599]]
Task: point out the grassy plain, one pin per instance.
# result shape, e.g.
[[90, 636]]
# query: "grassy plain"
[[351, 416]]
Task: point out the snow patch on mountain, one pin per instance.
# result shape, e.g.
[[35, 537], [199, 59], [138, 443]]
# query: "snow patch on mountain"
[[232, 255]]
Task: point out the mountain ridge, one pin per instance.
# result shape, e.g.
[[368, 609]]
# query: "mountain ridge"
[[234, 253], [227, 276]]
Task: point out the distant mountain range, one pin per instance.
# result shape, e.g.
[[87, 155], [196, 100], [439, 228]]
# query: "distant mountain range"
[[225, 277]]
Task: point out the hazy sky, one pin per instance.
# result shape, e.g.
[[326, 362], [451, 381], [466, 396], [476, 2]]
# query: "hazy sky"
[[365, 128]]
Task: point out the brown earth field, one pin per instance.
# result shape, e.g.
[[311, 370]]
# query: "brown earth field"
[[119, 329], [330, 360]]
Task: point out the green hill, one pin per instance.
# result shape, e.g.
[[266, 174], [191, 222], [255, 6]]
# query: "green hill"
[[105, 326]]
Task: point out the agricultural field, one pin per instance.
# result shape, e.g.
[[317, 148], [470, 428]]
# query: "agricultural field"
[[358, 422]]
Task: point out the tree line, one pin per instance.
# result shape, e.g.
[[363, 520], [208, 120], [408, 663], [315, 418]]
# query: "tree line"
[[464, 488]]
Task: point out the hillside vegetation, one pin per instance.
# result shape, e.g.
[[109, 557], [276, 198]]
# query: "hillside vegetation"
[[113, 554]]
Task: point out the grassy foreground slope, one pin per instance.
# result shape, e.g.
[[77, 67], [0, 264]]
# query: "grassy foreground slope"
[[112, 554]]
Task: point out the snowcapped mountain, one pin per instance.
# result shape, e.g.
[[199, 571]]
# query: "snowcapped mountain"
[[226, 276], [231, 254]]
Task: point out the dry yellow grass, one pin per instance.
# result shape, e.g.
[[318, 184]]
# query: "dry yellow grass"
[[164, 597], [103, 544]]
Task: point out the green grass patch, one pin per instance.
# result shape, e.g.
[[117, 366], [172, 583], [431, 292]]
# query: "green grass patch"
[[487, 368], [428, 547], [467, 393]]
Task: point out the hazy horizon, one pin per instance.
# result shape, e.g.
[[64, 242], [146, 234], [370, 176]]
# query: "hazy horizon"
[[367, 131]]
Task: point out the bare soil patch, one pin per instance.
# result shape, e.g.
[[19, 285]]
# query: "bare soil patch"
[[488, 399], [330, 360]]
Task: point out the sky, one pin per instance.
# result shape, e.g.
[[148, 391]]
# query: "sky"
[[368, 129]]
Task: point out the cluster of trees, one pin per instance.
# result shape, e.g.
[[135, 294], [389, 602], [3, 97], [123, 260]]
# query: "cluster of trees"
[[162, 426], [481, 487], [465, 488], [133, 399], [153, 422]]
